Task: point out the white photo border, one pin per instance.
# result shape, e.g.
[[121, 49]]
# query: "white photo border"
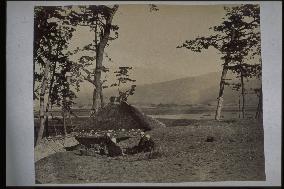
[[19, 103]]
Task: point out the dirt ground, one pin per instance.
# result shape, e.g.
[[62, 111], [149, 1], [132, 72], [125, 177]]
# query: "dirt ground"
[[185, 155]]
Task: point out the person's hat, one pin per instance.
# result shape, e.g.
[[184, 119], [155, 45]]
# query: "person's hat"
[[147, 136], [113, 140]]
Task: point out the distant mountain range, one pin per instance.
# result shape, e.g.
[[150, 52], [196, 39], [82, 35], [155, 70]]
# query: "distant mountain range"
[[201, 89]]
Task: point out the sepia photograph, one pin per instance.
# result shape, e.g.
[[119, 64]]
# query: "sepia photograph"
[[147, 93]]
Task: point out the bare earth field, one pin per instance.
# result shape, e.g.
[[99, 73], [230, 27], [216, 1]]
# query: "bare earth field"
[[235, 154]]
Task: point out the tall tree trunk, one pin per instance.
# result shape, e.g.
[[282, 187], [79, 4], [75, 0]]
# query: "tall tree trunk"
[[243, 99], [70, 119], [64, 115], [99, 58], [49, 99], [239, 106], [221, 92], [46, 132], [34, 95], [64, 122], [222, 83], [243, 93], [257, 109], [259, 106], [41, 102], [96, 47], [93, 105], [96, 96], [102, 98]]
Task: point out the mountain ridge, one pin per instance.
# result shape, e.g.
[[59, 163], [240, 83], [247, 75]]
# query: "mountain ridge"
[[201, 89]]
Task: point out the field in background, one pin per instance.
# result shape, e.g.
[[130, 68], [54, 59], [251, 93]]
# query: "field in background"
[[200, 111], [166, 113]]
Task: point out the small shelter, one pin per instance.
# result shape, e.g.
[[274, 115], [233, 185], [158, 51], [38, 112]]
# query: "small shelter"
[[124, 116]]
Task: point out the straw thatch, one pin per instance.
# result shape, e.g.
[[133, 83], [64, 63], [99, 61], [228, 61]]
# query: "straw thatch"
[[124, 116]]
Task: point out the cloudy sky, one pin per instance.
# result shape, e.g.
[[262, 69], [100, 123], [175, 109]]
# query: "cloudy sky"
[[147, 41]]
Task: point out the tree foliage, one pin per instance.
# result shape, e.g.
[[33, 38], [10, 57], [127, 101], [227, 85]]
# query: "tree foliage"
[[123, 78], [52, 35], [237, 39], [94, 17], [153, 7]]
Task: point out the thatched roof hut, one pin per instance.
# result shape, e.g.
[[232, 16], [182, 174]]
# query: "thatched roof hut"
[[124, 116]]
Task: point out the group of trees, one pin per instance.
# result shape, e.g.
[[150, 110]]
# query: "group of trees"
[[237, 39], [57, 78], [50, 40]]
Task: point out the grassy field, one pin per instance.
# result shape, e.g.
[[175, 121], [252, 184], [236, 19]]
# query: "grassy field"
[[165, 109], [184, 155]]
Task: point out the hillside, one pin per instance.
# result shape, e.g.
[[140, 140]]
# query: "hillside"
[[201, 89]]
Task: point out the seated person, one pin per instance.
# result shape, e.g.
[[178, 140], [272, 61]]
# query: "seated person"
[[113, 149], [142, 139], [104, 143], [146, 144]]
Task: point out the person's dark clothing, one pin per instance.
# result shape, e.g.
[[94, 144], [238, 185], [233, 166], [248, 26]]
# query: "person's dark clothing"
[[102, 150], [147, 145], [142, 142], [108, 147], [113, 149], [144, 145]]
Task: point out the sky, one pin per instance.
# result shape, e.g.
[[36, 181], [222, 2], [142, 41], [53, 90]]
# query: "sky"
[[147, 41]]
